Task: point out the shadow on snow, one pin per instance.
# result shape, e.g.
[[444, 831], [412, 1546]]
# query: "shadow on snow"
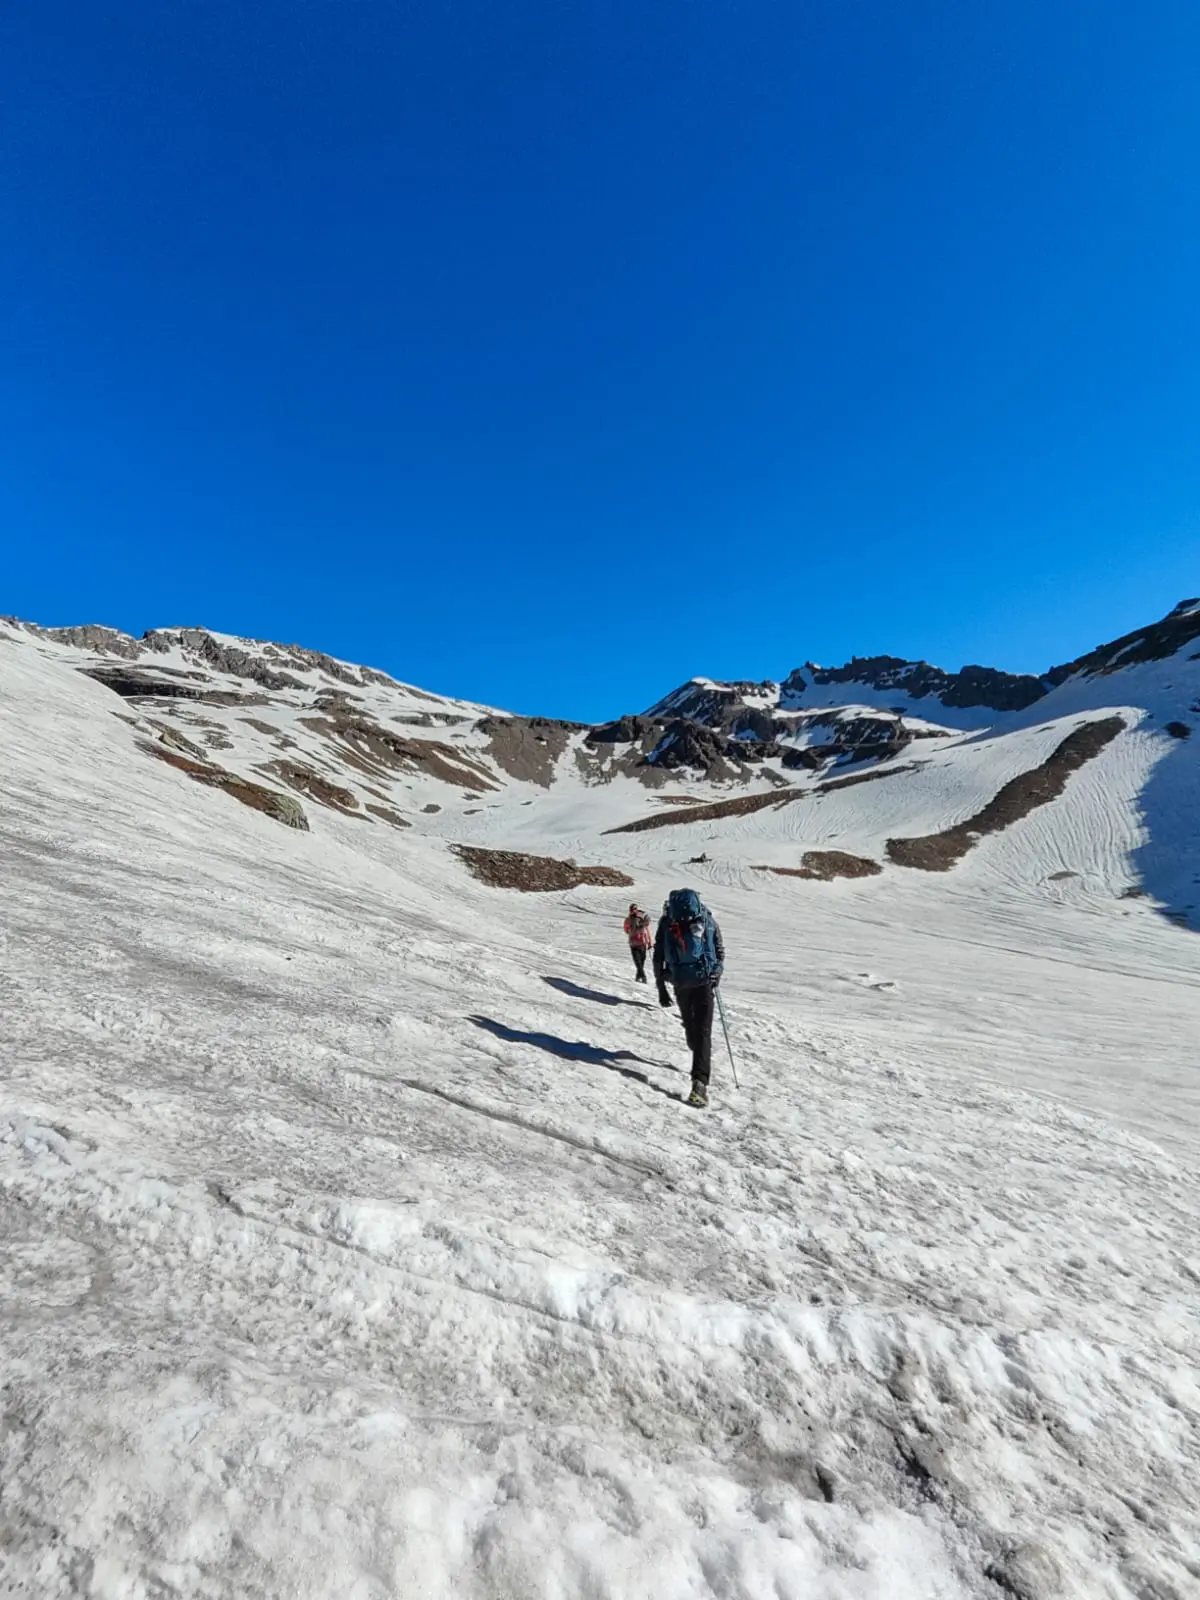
[[578, 992], [578, 1051], [1168, 860]]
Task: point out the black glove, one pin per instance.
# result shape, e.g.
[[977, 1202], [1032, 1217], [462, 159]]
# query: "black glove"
[[664, 996]]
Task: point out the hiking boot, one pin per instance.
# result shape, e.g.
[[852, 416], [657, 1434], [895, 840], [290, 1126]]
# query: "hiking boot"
[[699, 1094]]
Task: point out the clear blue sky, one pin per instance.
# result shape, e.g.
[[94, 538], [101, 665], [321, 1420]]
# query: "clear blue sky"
[[550, 352]]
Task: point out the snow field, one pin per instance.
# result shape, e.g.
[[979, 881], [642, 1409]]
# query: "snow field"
[[343, 1254]]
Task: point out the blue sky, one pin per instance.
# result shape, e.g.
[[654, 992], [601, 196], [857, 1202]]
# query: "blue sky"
[[549, 353]]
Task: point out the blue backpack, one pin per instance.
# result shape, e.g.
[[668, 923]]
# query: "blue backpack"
[[690, 949]]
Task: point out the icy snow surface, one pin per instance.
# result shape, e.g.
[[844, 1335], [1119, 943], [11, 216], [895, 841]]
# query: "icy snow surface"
[[354, 1242]]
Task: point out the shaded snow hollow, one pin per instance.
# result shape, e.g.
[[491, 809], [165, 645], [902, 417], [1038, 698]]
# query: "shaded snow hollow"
[[354, 1243]]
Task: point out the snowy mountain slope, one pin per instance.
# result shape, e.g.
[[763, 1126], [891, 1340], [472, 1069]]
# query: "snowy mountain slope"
[[302, 735], [1125, 826], [342, 1253], [917, 699]]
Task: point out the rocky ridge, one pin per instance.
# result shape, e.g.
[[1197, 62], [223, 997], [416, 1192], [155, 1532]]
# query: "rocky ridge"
[[306, 727]]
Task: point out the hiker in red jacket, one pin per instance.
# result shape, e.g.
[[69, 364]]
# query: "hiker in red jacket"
[[637, 931]]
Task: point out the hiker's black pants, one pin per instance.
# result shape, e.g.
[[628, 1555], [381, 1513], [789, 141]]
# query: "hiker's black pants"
[[638, 952], [696, 1010]]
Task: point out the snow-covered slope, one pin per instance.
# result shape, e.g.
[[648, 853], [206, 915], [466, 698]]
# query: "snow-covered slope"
[[354, 1243], [301, 735]]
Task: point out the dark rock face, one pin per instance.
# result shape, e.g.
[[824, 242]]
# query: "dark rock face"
[[858, 737], [625, 730], [753, 723], [807, 760], [131, 684], [690, 744], [1155, 643], [1000, 691], [973, 686], [226, 658], [711, 703]]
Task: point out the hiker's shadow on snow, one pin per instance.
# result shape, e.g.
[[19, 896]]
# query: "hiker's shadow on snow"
[[578, 1051], [578, 992]]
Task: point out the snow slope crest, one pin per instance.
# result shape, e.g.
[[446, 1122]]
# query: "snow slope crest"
[[306, 738]]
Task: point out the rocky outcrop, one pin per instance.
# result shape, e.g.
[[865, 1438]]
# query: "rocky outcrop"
[[691, 744], [232, 660], [309, 782], [370, 748], [131, 683], [93, 636], [712, 703], [527, 748], [625, 730], [825, 865], [269, 801], [1155, 643], [972, 686], [512, 869], [388, 815]]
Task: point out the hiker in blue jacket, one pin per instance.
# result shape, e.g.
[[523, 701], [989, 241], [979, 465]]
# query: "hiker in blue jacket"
[[690, 954]]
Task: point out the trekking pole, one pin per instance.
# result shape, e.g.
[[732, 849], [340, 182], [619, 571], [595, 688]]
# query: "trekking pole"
[[728, 1046]]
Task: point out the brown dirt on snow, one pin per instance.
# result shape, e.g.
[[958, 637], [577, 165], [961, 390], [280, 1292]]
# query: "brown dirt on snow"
[[825, 865], [743, 806], [747, 804], [938, 852], [511, 869]]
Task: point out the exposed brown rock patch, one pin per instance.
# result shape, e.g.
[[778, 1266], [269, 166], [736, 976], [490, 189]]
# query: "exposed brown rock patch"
[[280, 806], [376, 751], [527, 748], [745, 805], [227, 658], [714, 811], [386, 814], [94, 636], [938, 852], [177, 741], [866, 777], [511, 869], [282, 741], [826, 865], [232, 697], [309, 782]]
